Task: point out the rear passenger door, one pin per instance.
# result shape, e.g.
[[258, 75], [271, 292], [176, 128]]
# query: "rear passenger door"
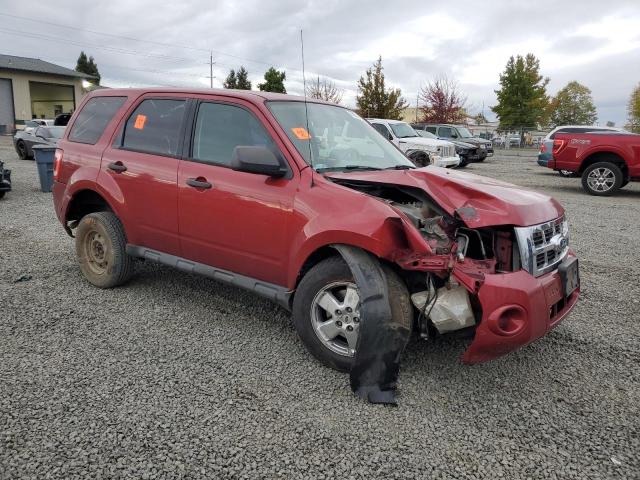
[[235, 221], [143, 162]]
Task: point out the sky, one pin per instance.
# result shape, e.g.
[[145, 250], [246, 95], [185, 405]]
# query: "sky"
[[156, 43]]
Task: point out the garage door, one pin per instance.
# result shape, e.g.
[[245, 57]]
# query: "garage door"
[[6, 106]]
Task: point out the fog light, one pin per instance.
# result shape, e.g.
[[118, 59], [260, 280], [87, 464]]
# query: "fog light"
[[507, 320]]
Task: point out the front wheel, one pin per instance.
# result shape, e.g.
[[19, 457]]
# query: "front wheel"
[[326, 311], [21, 148], [602, 179], [101, 249]]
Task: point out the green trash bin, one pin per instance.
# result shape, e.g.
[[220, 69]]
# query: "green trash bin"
[[44, 155]]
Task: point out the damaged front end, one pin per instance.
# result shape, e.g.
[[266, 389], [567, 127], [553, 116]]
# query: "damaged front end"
[[504, 284]]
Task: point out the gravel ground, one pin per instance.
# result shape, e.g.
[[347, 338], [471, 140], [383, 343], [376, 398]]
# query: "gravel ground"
[[175, 376]]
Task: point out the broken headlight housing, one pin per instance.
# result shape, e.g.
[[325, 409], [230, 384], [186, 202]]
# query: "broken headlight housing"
[[542, 247]]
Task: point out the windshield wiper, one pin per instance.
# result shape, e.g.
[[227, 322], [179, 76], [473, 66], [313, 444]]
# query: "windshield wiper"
[[347, 167], [400, 167]]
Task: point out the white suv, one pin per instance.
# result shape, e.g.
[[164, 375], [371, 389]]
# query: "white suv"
[[421, 150]]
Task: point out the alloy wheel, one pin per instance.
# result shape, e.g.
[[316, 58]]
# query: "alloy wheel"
[[601, 179]]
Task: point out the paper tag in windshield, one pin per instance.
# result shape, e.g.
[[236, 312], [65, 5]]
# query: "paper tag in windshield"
[[301, 133], [140, 121]]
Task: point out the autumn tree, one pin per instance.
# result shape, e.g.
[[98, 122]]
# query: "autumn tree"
[[573, 105], [325, 89], [634, 110], [522, 97], [273, 81], [88, 66], [442, 101], [374, 99]]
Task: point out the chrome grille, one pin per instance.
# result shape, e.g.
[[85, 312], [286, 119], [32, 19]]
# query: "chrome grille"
[[447, 151], [542, 247]]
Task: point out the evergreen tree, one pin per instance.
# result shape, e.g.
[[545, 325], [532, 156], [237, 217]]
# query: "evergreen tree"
[[231, 80], [242, 80], [374, 99], [634, 110], [273, 81], [573, 105], [522, 98], [88, 66]]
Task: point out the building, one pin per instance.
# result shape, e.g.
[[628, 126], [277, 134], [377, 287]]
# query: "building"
[[32, 88]]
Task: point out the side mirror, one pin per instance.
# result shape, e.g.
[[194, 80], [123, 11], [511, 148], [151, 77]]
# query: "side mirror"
[[258, 160]]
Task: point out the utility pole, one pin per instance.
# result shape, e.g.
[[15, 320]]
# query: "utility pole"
[[211, 69]]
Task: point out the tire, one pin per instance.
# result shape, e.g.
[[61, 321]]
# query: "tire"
[[463, 163], [421, 159], [624, 183], [101, 249], [602, 179], [21, 149], [334, 271], [2, 194]]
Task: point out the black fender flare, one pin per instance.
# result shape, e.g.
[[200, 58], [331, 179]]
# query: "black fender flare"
[[381, 341]]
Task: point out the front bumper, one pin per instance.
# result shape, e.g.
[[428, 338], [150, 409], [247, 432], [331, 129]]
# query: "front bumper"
[[517, 308], [446, 161]]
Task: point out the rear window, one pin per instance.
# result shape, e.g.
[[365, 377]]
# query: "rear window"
[[154, 127], [94, 118]]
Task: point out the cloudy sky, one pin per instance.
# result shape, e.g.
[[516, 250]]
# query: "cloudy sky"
[[144, 43]]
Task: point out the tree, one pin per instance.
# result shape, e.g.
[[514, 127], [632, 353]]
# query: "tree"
[[442, 102], [522, 98], [374, 100], [273, 81], [88, 66], [634, 110], [242, 80], [231, 81], [573, 105], [325, 90]]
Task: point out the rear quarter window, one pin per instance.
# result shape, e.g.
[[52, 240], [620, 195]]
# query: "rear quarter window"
[[94, 118]]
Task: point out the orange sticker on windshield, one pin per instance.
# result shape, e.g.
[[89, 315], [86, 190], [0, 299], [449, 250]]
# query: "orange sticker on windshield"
[[140, 121], [301, 133]]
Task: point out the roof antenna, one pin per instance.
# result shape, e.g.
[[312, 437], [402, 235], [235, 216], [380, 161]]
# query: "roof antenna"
[[306, 110]]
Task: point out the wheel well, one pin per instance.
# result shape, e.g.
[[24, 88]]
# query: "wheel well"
[[604, 157], [84, 203]]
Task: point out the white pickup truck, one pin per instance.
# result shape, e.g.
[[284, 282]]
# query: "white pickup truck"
[[421, 150]]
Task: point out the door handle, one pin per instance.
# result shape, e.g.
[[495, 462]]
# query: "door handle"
[[199, 182], [117, 167]]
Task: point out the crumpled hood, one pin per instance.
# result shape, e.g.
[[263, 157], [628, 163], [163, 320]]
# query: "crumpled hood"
[[478, 201]]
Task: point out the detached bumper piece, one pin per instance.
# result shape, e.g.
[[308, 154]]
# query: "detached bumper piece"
[[374, 373], [535, 306]]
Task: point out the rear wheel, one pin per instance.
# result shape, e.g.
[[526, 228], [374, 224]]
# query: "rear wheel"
[[21, 148], [602, 178], [326, 311], [101, 249]]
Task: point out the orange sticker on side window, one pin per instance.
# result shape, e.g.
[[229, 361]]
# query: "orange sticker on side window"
[[301, 133], [139, 123]]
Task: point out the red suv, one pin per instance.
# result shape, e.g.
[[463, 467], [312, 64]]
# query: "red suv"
[[308, 205]]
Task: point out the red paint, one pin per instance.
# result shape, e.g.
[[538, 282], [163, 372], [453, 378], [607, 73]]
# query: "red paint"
[[268, 228]]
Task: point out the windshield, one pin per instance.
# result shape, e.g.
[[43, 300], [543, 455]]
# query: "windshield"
[[464, 133], [338, 139], [425, 134], [56, 132], [403, 130]]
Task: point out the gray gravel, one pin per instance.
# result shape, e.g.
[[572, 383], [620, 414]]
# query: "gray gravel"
[[175, 376]]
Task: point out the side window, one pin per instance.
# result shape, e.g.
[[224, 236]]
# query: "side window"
[[446, 132], [431, 129], [93, 119], [382, 129], [154, 127], [220, 128]]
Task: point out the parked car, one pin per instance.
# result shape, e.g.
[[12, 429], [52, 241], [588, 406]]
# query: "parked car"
[[265, 191], [545, 155], [515, 140], [62, 120], [466, 151], [458, 132], [5, 180], [579, 129], [24, 141], [423, 151], [606, 161]]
